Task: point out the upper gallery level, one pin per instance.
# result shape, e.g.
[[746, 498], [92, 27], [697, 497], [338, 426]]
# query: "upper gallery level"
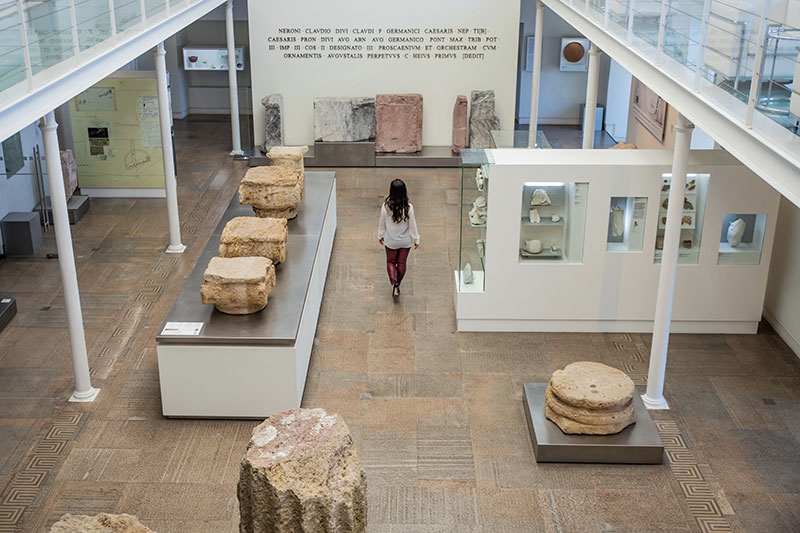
[[731, 66], [51, 50]]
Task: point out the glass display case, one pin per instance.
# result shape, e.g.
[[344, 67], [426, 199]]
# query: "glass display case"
[[626, 224], [694, 202], [552, 222], [742, 239], [474, 204]]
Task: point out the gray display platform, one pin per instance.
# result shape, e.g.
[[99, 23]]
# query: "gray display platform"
[[8, 308], [362, 154], [77, 206], [636, 444]]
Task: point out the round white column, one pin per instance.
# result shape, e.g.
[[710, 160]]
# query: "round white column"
[[84, 392], [233, 86], [590, 109], [654, 397], [170, 184], [537, 73]]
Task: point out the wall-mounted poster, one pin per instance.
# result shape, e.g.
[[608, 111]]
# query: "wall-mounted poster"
[[649, 109]]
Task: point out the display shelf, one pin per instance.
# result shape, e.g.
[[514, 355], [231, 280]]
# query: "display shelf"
[[545, 222], [544, 254]]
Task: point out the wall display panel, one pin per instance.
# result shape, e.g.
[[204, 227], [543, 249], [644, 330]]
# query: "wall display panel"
[[553, 221], [692, 217], [742, 239], [627, 217], [307, 49]]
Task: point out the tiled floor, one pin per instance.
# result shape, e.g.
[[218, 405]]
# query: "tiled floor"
[[438, 415]]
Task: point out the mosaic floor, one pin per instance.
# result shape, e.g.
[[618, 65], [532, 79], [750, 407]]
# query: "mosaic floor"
[[438, 415]]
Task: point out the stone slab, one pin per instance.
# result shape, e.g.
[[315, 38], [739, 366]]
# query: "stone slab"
[[69, 169], [274, 121], [480, 132], [639, 443], [482, 105], [398, 123], [459, 124], [344, 119]]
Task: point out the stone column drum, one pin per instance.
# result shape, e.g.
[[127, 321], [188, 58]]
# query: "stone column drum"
[[255, 237], [272, 191], [302, 474], [290, 157], [238, 285]]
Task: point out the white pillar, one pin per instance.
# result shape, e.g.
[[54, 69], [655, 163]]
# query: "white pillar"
[[654, 398], [170, 184], [233, 86], [590, 109], [84, 392], [537, 71]]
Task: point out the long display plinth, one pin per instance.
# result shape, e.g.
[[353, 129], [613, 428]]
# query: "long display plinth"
[[636, 444], [251, 366]]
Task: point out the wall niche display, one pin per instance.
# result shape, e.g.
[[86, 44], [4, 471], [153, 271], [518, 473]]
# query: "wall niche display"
[[552, 222], [626, 224], [694, 202], [742, 239]]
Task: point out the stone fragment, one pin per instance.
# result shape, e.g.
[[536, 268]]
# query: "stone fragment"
[[238, 285], [482, 105], [254, 237], [398, 123], [572, 427], [482, 119], [69, 167], [302, 474], [533, 246], [273, 191], [273, 114], [100, 523], [735, 232], [589, 416], [459, 124], [540, 197], [592, 385], [290, 157], [344, 119]]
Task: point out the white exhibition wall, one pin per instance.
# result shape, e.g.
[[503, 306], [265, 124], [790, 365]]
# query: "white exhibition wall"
[[339, 70], [20, 192], [782, 304]]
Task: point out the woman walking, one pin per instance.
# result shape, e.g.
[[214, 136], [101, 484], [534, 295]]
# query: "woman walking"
[[397, 231]]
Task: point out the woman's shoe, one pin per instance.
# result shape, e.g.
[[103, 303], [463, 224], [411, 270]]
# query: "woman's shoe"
[[396, 290]]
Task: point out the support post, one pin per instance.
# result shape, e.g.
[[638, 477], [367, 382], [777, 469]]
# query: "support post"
[[233, 86], [590, 108], [758, 67], [662, 26], [84, 392], [701, 46], [170, 183], [536, 74], [654, 397]]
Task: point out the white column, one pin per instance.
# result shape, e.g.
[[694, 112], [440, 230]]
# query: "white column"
[[170, 184], [84, 392], [233, 86], [654, 398], [590, 109], [537, 71]]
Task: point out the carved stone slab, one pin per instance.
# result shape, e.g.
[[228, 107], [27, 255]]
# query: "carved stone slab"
[[398, 123], [254, 237], [344, 119], [482, 119], [459, 124], [69, 167], [273, 125], [238, 285], [273, 192]]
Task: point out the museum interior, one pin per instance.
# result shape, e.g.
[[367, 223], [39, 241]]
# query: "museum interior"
[[578, 311]]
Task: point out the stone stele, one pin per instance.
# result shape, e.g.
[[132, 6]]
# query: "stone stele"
[[238, 285], [590, 398], [273, 124], [459, 124], [100, 523], [69, 167], [398, 123], [302, 474], [273, 191], [254, 237], [344, 119], [482, 119], [290, 157]]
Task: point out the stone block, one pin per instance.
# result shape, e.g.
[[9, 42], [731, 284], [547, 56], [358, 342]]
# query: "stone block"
[[290, 157], [273, 123], [238, 285], [344, 119], [302, 474], [398, 123], [100, 523], [459, 124], [273, 192], [482, 119], [482, 104], [254, 237], [69, 167]]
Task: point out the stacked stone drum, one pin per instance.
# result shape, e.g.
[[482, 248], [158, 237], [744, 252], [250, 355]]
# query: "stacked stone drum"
[[590, 399], [255, 237], [290, 157], [238, 285], [273, 191]]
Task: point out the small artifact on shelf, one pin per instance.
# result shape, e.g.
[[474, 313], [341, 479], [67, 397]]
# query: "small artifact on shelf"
[[481, 248], [272, 191], [660, 242], [540, 197], [686, 243], [588, 398], [554, 249], [533, 246], [691, 185], [477, 216], [480, 202], [735, 232], [555, 218], [664, 220], [617, 222], [480, 179], [687, 205], [302, 473], [254, 237], [534, 216], [238, 285], [466, 274], [687, 220]]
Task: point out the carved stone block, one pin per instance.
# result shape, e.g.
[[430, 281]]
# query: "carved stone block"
[[482, 119], [69, 167], [344, 119], [273, 192], [255, 237], [238, 285], [290, 157], [398, 123], [459, 124], [273, 125]]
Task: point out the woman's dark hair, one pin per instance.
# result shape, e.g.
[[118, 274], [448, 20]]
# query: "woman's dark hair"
[[397, 201]]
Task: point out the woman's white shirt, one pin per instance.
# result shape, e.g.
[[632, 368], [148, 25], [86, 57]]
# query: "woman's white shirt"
[[398, 234]]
